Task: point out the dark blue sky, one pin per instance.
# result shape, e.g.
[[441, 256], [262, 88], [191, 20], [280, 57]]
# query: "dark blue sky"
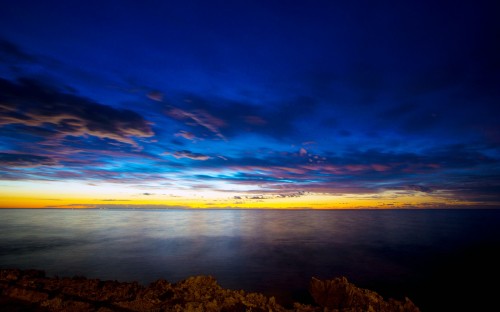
[[384, 103]]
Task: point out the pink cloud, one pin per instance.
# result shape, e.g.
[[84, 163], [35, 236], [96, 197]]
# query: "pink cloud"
[[155, 96], [190, 155], [32, 104], [186, 135], [255, 120], [200, 118], [380, 168], [302, 152]]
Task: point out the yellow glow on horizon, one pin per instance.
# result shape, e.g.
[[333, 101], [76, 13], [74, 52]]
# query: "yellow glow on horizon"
[[53, 194]]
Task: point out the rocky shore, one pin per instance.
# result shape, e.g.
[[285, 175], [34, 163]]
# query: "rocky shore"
[[31, 290]]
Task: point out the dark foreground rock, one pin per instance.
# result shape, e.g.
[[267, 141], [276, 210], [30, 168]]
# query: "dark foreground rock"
[[30, 290]]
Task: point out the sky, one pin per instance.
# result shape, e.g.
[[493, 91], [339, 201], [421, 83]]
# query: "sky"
[[249, 104]]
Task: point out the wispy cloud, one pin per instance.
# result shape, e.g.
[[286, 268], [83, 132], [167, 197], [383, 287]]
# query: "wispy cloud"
[[155, 96], [199, 118], [188, 154], [355, 172], [25, 160], [186, 135], [30, 103], [10, 52], [225, 119]]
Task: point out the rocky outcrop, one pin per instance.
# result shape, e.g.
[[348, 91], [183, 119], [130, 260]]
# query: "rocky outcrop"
[[340, 295], [31, 290]]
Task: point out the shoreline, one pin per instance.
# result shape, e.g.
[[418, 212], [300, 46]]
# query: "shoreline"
[[31, 290]]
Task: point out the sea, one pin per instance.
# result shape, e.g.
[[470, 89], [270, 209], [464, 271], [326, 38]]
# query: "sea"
[[442, 259]]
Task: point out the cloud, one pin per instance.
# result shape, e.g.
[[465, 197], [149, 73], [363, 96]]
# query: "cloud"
[[186, 135], [292, 194], [30, 103], [25, 160], [155, 96], [200, 118], [353, 172], [10, 52], [419, 188], [226, 119], [255, 120], [190, 155]]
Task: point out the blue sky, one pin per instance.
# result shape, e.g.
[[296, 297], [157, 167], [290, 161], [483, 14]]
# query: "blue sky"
[[374, 103]]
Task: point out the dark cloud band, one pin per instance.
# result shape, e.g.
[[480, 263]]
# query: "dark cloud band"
[[30, 103]]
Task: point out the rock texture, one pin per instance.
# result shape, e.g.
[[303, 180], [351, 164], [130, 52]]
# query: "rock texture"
[[340, 295], [31, 290]]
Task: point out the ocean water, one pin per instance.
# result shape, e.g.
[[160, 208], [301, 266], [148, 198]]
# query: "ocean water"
[[441, 259]]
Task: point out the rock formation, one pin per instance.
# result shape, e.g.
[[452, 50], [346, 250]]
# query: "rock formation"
[[340, 295], [30, 290]]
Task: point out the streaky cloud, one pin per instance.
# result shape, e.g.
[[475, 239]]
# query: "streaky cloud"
[[25, 160], [31, 103], [188, 154]]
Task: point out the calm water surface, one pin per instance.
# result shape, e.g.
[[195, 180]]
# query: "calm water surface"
[[439, 258]]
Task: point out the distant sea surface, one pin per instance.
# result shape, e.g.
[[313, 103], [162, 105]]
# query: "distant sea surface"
[[441, 259]]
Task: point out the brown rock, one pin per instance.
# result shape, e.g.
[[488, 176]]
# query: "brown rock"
[[9, 275], [31, 291], [61, 304], [25, 294], [340, 295]]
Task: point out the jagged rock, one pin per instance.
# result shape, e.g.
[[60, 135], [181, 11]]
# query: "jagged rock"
[[340, 295], [27, 294], [30, 290]]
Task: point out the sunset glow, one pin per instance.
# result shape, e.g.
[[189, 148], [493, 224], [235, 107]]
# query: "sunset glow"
[[329, 106]]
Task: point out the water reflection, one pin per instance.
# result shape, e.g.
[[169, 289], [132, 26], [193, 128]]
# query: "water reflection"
[[275, 252]]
